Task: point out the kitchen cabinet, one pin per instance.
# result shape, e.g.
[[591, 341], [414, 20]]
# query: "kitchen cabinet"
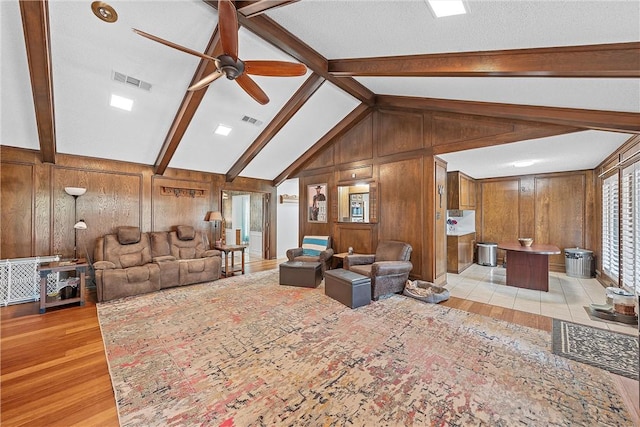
[[461, 191], [460, 251]]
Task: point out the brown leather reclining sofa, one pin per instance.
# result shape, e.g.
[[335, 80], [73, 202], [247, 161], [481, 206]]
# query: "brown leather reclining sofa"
[[130, 262]]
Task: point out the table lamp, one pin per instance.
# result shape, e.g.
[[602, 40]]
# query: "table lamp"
[[215, 216]]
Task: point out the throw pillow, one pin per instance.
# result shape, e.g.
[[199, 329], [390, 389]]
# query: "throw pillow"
[[314, 245]]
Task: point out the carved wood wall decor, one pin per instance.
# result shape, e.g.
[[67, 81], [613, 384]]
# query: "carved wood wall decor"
[[289, 198], [181, 192]]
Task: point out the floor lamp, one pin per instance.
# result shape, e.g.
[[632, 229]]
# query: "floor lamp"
[[78, 225], [215, 217]]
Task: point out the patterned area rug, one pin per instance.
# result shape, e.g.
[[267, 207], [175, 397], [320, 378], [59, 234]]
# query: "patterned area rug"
[[247, 351], [613, 351]]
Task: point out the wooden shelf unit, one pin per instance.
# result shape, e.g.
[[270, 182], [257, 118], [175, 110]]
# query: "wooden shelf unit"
[[461, 191]]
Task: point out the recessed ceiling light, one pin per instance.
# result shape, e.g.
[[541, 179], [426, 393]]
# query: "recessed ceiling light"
[[523, 163], [223, 130], [443, 8], [121, 102], [104, 11]]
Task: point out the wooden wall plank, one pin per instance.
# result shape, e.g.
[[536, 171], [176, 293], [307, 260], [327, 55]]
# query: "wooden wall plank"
[[398, 132], [400, 205], [356, 144], [17, 200], [560, 213]]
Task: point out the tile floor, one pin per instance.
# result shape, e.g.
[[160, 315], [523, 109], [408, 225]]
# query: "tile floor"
[[566, 298]]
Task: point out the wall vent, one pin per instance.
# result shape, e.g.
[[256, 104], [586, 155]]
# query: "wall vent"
[[251, 120], [131, 81]]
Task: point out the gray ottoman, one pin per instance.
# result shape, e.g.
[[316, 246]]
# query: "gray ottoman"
[[304, 274], [351, 289]]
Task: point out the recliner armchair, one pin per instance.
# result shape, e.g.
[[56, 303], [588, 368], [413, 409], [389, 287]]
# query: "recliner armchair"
[[388, 268], [314, 249]]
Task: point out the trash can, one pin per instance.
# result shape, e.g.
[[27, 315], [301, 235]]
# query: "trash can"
[[579, 263], [487, 254]]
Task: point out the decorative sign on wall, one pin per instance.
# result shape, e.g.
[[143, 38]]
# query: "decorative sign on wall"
[[289, 198], [317, 202], [181, 192]]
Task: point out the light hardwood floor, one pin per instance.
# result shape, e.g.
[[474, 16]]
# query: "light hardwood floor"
[[54, 370]]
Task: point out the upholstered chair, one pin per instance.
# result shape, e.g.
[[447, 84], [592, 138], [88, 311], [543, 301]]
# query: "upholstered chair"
[[197, 263], [123, 265], [314, 249], [388, 268]]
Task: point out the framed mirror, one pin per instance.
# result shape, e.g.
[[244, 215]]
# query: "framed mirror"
[[356, 203]]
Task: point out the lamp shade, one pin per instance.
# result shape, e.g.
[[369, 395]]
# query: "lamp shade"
[[75, 191], [213, 216], [80, 225]]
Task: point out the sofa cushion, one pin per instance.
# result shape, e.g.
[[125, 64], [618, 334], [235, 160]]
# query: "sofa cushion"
[[196, 265], [186, 232], [131, 260], [313, 245], [159, 244], [187, 253], [128, 235], [138, 274], [365, 269], [391, 250]]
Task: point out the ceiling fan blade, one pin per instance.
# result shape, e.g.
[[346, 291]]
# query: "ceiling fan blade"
[[252, 89], [274, 68], [205, 81], [228, 25], [173, 45]]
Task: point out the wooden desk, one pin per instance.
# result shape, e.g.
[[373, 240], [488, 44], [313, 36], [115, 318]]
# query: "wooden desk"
[[528, 267], [226, 249], [79, 266]]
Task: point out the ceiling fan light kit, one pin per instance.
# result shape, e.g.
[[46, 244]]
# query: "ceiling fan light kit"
[[228, 64]]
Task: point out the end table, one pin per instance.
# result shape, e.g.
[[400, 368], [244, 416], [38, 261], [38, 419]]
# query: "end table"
[[79, 266]]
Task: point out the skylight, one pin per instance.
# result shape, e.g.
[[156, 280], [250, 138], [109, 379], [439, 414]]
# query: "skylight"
[[223, 130], [121, 102], [442, 8]]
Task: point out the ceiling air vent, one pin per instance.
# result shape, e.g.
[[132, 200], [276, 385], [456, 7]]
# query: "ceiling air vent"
[[251, 120], [131, 81]]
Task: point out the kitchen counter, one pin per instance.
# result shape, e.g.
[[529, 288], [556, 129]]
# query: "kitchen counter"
[[459, 233], [460, 251]]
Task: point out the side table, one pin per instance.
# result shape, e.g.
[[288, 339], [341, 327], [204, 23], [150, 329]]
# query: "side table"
[[231, 249], [337, 260], [79, 266]]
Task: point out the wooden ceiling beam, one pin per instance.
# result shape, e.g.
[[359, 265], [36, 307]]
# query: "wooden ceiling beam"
[[352, 119], [612, 121], [253, 8], [190, 103], [302, 95], [35, 24], [268, 30], [617, 60]]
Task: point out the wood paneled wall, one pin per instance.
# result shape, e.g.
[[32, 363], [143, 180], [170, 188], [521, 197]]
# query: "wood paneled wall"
[[557, 209], [38, 215], [399, 150]]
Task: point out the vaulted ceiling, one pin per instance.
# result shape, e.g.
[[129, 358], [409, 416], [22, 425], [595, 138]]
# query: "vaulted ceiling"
[[567, 63]]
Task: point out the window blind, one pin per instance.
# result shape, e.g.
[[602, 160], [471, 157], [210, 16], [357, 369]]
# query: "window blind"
[[610, 227], [630, 227]]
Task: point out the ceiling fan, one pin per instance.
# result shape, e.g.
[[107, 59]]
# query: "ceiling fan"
[[228, 64]]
